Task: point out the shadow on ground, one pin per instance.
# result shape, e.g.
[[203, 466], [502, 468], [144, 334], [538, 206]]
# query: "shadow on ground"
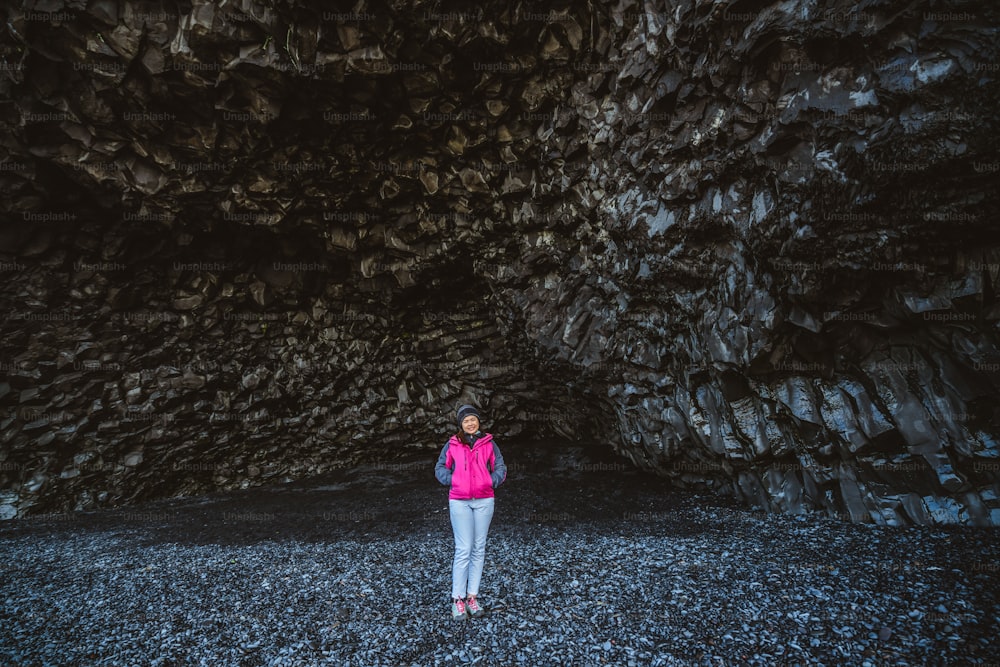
[[547, 486]]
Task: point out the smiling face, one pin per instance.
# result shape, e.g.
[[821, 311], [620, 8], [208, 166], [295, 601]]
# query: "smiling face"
[[470, 424]]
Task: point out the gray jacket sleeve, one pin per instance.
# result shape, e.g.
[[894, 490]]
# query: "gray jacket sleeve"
[[499, 473], [441, 471]]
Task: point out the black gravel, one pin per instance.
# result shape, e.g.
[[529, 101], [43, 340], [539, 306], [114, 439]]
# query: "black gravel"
[[588, 564]]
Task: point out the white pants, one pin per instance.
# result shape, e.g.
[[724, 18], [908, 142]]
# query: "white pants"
[[470, 521]]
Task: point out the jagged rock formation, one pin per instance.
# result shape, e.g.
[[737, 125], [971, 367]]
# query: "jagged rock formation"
[[752, 244]]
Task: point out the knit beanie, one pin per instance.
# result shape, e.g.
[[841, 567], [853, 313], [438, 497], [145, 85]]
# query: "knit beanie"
[[465, 411]]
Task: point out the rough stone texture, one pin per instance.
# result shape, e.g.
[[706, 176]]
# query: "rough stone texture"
[[751, 244]]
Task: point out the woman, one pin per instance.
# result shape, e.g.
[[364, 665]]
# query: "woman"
[[471, 464]]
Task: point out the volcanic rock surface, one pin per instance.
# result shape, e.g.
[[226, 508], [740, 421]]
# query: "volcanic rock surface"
[[750, 244]]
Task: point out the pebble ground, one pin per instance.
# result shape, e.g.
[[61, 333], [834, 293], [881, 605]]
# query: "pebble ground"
[[588, 563]]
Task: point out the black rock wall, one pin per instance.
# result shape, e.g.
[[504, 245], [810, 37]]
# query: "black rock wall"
[[751, 244]]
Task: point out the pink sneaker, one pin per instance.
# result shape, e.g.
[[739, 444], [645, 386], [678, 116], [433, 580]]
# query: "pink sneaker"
[[473, 606], [458, 610]]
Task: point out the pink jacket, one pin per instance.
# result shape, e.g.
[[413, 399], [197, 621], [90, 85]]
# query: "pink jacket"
[[471, 471]]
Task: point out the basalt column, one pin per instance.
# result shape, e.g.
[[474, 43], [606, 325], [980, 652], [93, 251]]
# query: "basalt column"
[[751, 245]]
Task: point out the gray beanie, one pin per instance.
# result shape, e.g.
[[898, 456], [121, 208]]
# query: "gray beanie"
[[466, 410]]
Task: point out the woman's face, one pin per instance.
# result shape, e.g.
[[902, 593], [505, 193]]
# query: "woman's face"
[[470, 424]]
